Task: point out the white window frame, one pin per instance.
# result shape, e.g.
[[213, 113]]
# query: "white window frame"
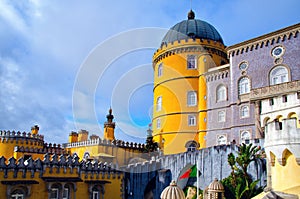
[[221, 93], [67, 191], [191, 62], [279, 75], [160, 70], [192, 120], [244, 85], [244, 111], [158, 103], [96, 195], [17, 196], [242, 138], [57, 193], [221, 139], [221, 116], [192, 98]]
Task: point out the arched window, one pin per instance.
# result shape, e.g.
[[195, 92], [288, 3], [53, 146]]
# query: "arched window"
[[244, 85], [158, 123], [191, 62], [66, 192], [191, 120], [160, 70], [158, 103], [278, 75], [54, 192], [17, 194], [97, 192], [221, 116], [192, 98], [191, 145], [245, 137], [222, 139], [221, 93], [244, 111]]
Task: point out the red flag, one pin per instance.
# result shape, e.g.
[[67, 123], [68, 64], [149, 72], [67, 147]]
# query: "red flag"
[[186, 174]]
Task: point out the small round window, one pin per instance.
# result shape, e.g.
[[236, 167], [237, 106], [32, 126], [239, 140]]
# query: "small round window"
[[277, 51], [243, 65]]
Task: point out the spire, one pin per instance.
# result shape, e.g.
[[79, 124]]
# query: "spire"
[[191, 15], [110, 116]]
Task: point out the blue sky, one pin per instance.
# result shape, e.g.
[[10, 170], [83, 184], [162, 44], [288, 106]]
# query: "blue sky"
[[45, 45]]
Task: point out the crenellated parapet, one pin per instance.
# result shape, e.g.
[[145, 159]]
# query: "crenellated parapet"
[[187, 46], [8, 136], [218, 73], [104, 142], [280, 137], [265, 40], [47, 148], [52, 166]]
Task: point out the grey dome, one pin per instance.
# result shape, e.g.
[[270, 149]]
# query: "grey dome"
[[192, 28]]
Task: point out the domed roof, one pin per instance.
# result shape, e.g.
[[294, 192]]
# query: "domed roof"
[[192, 28], [172, 192], [216, 186]]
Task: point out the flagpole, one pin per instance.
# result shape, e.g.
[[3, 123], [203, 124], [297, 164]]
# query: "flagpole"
[[197, 165]]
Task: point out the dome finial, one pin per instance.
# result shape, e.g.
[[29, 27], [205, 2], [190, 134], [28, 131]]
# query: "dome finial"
[[191, 15]]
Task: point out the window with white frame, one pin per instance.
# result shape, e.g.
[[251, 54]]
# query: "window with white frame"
[[191, 120], [245, 136], [54, 193], [17, 196], [158, 123], [160, 70], [191, 62], [221, 139], [159, 103], [95, 195], [244, 85], [278, 75], [221, 116], [221, 93], [192, 98], [244, 111], [66, 193], [97, 192]]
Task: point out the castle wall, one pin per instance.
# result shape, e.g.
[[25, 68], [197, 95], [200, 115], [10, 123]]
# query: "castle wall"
[[212, 164], [282, 147], [37, 179]]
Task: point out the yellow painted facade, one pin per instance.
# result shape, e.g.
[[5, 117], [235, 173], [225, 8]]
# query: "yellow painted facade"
[[173, 80], [84, 168], [63, 181], [288, 173]]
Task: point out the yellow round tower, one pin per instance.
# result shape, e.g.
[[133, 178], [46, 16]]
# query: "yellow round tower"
[[188, 50]]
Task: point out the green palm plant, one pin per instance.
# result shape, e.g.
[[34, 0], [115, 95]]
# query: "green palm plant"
[[239, 183]]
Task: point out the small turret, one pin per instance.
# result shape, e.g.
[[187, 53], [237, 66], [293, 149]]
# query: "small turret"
[[109, 127], [35, 129]]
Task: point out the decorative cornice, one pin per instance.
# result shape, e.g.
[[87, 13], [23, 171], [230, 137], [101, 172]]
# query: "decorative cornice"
[[186, 49], [104, 142], [274, 90], [216, 75], [264, 40]]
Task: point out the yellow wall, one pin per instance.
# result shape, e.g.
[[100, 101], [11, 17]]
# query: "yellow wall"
[[173, 85], [286, 178], [121, 155], [7, 147], [112, 189]]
